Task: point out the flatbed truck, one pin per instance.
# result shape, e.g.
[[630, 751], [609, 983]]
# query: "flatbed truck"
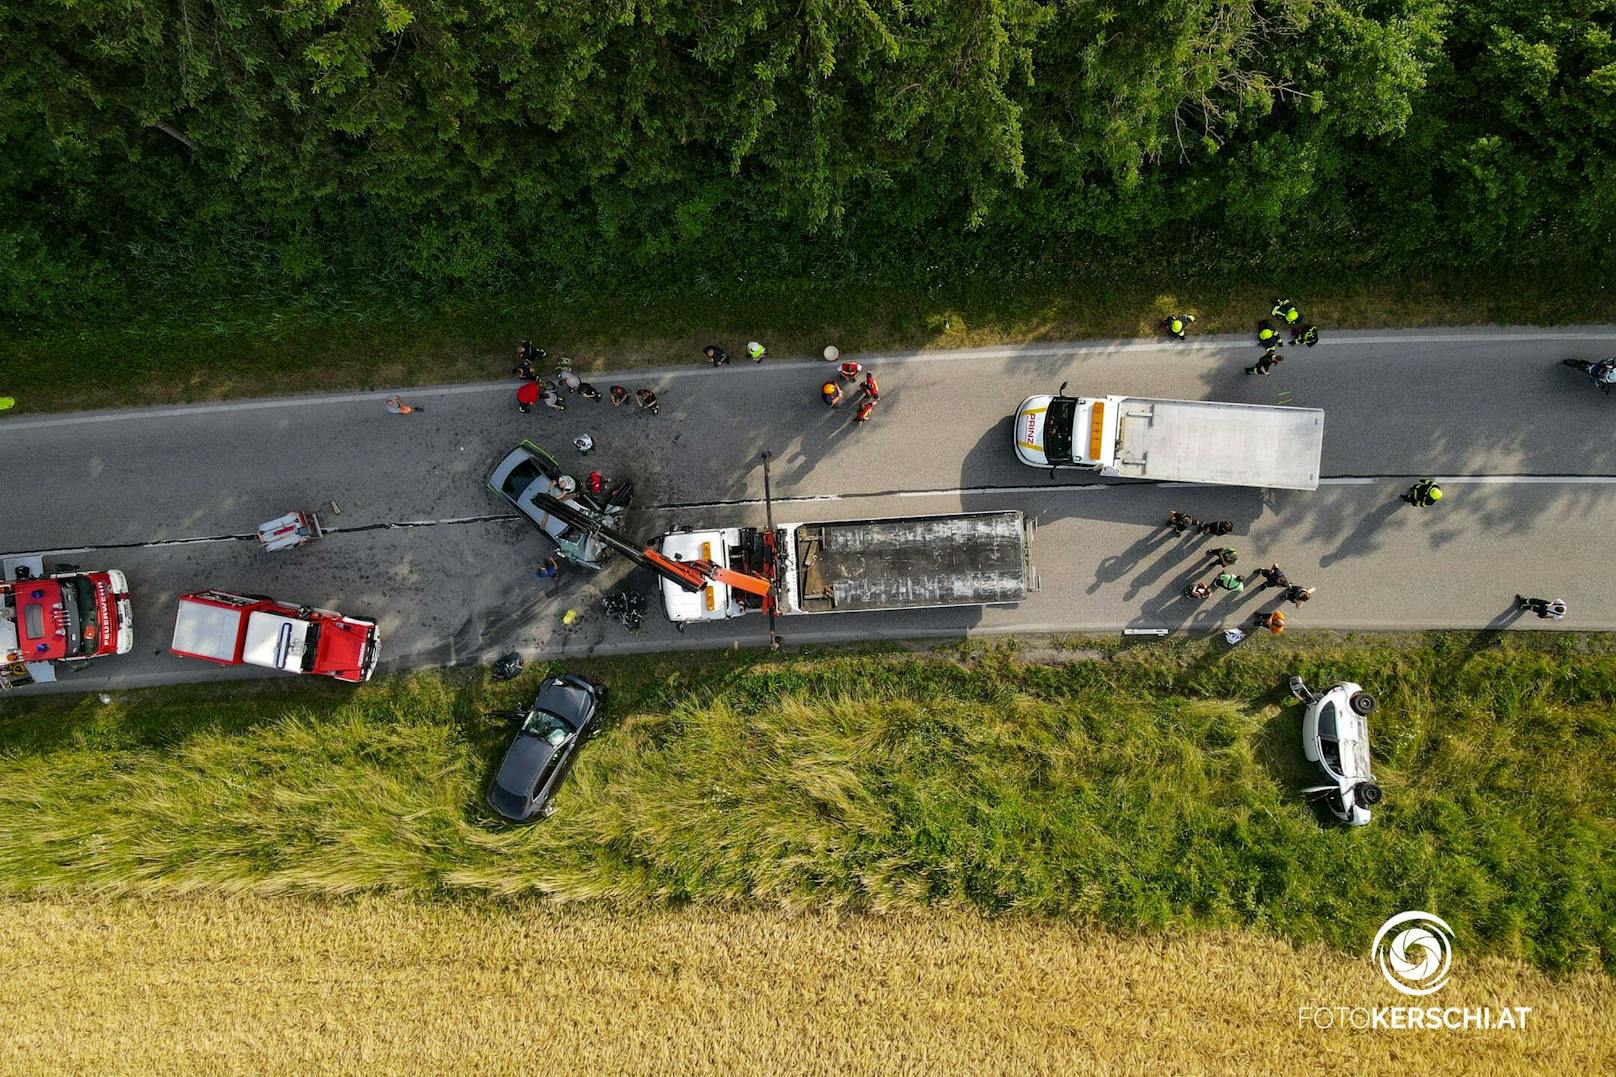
[[1206, 441]]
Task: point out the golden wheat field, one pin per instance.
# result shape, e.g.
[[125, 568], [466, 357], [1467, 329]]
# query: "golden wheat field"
[[387, 985]]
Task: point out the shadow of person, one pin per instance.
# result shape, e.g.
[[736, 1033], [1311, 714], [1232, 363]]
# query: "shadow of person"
[[1360, 540], [1113, 568]]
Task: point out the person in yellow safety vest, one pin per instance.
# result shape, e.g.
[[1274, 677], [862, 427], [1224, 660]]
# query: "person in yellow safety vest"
[[1424, 493], [1284, 308], [1177, 324], [755, 351], [1268, 334]]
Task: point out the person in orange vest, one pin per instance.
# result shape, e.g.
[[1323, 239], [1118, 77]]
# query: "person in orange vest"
[[1274, 622], [863, 413]]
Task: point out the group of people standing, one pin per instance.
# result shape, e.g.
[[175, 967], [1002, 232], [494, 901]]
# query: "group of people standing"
[[858, 381], [1224, 558], [534, 390], [1288, 316], [1283, 315]]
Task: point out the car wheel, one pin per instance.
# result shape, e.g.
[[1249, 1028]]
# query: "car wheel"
[[1367, 794], [1362, 703]]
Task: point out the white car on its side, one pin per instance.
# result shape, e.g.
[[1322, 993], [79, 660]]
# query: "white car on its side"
[[1335, 738]]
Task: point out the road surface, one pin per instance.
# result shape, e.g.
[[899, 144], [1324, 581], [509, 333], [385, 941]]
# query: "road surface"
[[171, 495]]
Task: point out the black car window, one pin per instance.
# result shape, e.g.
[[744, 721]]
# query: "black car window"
[[520, 478], [1331, 749], [1327, 722], [544, 775]]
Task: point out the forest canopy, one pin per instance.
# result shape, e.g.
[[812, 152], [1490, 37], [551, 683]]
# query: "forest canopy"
[[468, 146]]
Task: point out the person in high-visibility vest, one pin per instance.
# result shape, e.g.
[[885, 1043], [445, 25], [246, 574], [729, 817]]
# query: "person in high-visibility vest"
[[1268, 334], [1177, 324], [755, 351], [1424, 493], [1274, 622], [1305, 334], [1284, 308]]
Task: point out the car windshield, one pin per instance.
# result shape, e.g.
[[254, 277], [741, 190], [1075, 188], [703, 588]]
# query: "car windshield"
[[550, 728], [520, 478], [1058, 430]]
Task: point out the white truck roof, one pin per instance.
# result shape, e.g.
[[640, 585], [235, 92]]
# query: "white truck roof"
[[208, 631], [711, 603], [276, 641], [1216, 442]]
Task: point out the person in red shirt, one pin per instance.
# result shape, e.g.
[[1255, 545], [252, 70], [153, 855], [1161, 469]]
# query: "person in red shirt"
[[863, 413], [527, 394], [871, 390], [849, 371]]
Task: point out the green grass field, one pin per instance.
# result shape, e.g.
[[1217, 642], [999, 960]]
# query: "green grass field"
[[177, 350], [1153, 787]]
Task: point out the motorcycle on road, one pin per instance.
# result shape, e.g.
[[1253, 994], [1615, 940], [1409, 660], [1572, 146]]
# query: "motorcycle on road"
[[1602, 373]]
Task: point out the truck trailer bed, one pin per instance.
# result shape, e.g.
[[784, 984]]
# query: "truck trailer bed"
[[969, 559], [1215, 442]]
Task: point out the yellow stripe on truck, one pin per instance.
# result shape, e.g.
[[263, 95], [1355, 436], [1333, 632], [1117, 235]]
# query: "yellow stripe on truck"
[[1025, 421], [1096, 428]]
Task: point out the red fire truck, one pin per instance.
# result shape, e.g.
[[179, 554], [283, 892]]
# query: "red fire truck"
[[232, 630], [65, 616]]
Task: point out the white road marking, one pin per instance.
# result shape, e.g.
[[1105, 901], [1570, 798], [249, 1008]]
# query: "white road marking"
[[974, 491]]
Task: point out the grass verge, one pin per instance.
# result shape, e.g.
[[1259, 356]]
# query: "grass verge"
[[1153, 788], [186, 351], [388, 985]]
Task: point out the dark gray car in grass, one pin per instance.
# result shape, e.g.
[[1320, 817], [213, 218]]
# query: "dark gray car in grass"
[[563, 717]]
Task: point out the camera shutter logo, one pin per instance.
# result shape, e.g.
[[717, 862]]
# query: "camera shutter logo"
[[1416, 958]]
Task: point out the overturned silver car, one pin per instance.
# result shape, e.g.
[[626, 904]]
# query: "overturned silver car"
[[1335, 738]]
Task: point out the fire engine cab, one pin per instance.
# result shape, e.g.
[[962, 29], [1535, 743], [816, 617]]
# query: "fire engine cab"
[[232, 630], [65, 616]]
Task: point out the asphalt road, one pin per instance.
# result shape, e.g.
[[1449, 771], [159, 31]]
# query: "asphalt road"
[[1522, 444]]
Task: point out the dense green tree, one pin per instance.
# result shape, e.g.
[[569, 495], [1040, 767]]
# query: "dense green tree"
[[222, 147]]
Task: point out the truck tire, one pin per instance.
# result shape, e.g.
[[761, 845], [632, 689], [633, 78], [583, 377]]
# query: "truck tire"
[[1367, 794], [1362, 703]]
